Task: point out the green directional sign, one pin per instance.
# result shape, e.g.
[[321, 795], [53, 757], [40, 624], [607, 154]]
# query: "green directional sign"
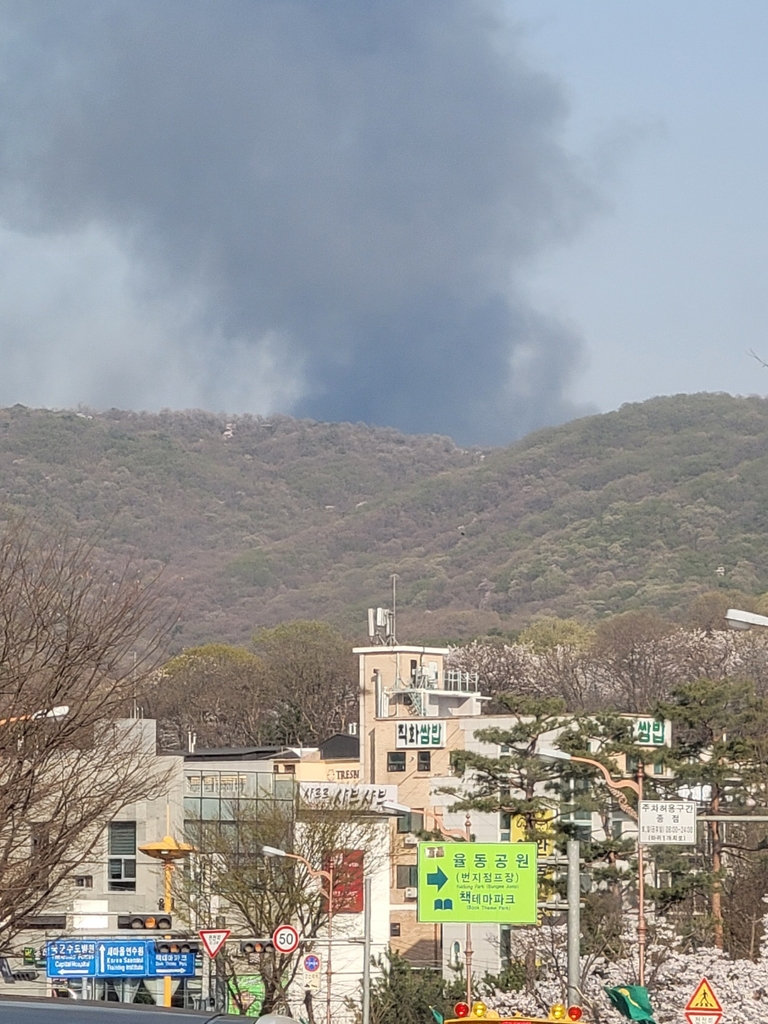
[[483, 882]]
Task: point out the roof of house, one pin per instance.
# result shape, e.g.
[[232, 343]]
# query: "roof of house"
[[236, 754], [340, 746]]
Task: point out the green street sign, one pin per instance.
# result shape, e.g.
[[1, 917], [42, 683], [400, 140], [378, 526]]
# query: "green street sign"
[[478, 882]]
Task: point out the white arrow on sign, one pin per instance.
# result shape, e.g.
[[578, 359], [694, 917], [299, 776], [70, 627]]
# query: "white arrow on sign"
[[213, 939]]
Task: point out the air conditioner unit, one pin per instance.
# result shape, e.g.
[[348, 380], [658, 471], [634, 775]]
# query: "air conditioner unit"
[[411, 893], [410, 840]]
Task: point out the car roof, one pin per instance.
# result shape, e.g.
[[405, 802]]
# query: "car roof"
[[33, 1010]]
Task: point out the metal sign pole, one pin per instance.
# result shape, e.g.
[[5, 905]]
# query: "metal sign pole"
[[468, 951], [641, 929], [574, 922], [328, 968], [367, 952], [206, 983]]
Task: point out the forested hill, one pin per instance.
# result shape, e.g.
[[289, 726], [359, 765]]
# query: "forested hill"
[[259, 521]]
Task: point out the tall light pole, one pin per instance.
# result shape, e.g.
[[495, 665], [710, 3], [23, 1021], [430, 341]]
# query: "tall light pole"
[[167, 850], [615, 786], [273, 851]]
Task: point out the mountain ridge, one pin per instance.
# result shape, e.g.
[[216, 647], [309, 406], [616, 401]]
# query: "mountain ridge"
[[258, 520]]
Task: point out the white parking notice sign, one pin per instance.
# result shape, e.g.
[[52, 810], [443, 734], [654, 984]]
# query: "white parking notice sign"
[[668, 821]]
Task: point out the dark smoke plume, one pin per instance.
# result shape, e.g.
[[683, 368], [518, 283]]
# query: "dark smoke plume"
[[323, 205]]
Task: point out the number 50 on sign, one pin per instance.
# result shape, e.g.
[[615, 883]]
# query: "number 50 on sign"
[[285, 938]]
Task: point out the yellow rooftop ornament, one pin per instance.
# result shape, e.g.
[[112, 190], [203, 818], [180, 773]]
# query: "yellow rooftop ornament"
[[167, 848]]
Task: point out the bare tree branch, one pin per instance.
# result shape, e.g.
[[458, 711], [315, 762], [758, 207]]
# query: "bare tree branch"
[[74, 634]]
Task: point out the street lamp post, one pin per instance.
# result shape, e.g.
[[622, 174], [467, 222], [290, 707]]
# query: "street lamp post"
[[738, 619], [615, 786], [167, 850], [273, 851], [58, 712]]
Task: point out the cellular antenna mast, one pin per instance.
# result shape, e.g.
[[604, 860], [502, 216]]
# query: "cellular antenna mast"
[[393, 639], [381, 621]]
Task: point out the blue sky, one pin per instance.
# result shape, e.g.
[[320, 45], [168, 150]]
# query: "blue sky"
[[668, 101]]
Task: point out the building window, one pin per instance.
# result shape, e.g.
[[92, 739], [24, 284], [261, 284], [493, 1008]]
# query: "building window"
[[84, 881], [394, 929], [413, 822], [505, 826], [40, 842], [407, 876], [505, 946], [424, 761], [121, 864], [396, 761]]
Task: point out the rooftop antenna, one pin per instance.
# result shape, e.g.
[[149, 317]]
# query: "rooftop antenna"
[[393, 635], [381, 621]]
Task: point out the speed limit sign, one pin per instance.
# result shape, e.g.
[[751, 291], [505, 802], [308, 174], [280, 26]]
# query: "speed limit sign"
[[285, 938]]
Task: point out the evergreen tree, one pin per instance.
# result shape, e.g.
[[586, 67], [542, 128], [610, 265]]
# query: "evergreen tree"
[[719, 754]]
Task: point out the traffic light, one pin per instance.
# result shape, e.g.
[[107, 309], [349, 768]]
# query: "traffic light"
[[250, 946], [176, 946], [26, 975], [145, 922]]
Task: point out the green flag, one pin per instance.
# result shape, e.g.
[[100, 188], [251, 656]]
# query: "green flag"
[[632, 1002]]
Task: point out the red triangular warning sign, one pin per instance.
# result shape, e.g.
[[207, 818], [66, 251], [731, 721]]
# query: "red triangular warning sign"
[[213, 939], [704, 998]]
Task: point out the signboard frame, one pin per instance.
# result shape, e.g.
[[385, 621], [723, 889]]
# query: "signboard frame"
[[290, 932], [420, 734], [214, 939], [699, 1009], [667, 822], [109, 957], [478, 883], [346, 796]]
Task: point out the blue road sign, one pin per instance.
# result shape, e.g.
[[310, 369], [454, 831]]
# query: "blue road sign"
[[114, 958], [178, 965], [71, 958], [311, 963], [118, 958]]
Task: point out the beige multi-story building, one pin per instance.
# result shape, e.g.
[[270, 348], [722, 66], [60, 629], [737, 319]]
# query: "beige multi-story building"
[[412, 711], [416, 711]]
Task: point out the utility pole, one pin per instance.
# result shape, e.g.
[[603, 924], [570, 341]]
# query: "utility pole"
[[468, 951], [574, 922], [367, 951]]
